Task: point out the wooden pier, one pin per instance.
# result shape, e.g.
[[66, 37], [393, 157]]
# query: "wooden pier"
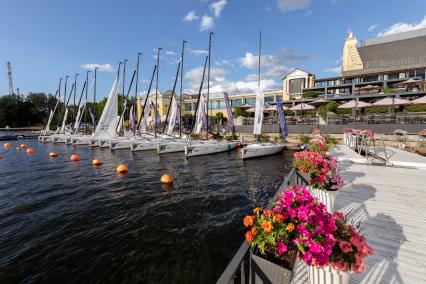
[[390, 204]]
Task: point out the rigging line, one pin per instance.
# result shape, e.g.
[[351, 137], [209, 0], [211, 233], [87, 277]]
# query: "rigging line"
[[199, 95], [147, 96], [172, 96]]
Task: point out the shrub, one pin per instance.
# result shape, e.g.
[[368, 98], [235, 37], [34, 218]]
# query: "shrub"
[[311, 94], [376, 109]]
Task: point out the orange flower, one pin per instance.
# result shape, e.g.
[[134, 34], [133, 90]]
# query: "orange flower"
[[267, 226], [248, 220], [267, 213], [290, 227], [253, 231], [257, 209], [249, 236], [279, 217]]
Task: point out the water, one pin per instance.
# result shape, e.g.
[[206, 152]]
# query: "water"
[[63, 221]]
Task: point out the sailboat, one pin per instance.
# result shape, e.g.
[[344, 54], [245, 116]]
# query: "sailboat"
[[105, 129], [46, 132], [64, 131], [170, 143], [209, 146], [144, 141], [260, 149], [77, 116]]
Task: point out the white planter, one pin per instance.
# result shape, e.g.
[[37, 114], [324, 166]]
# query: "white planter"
[[328, 275], [326, 197]]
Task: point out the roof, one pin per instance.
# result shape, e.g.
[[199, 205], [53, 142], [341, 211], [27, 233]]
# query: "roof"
[[294, 70], [394, 37], [406, 48]]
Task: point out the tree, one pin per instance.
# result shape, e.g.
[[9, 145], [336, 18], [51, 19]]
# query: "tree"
[[239, 111]]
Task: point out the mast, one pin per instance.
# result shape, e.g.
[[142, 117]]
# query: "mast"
[[124, 83], [199, 95], [125, 101], [85, 101], [65, 91], [181, 89], [94, 101], [208, 86], [258, 71], [59, 98], [77, 119], [146, 98], [171, 97], [156, 93], [136, 91], [75, 91]]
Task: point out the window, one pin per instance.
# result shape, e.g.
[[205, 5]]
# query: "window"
[[236, 102], [371, 78], [188, 107], [420, 73], [251, 101], [296, 85], [411, 73], [392, 76], [269, 100]]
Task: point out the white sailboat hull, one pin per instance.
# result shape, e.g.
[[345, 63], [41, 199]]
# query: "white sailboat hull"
[[261, 149], [104, 143], [60, 138], [171, 147], [118, 144], [81, 140], [207, 148], [143, 145]]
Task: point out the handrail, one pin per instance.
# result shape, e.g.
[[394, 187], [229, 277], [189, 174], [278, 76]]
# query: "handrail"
[[238, 269]]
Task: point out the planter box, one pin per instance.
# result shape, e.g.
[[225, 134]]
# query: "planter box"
[[326, 197], [327, 275], [265, 271]]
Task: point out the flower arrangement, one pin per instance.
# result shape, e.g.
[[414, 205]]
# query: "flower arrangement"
[[347, 130], [298, 223], [367, 133], [356, 131], [350, 248], [322, 168]]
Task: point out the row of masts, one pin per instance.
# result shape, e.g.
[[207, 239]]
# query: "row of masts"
[[125, 95]]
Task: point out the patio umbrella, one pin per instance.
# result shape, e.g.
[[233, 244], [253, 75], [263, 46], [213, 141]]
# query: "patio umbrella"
[[410, 82], [354, 104], [391, 101], [368, 88], [421, 100], [302, 106], [319, 102], [246, 106], [250, 109], [274, 108]]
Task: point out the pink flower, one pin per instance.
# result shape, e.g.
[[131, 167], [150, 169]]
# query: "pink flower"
[[315, 248], [358, 268], [281, 247], [339, 215], [307, 258], [340, 265], [345, 246]]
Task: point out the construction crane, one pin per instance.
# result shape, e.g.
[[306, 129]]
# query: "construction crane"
[[9, 75]]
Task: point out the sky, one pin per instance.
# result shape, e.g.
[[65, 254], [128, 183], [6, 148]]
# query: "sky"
[[48, 39]]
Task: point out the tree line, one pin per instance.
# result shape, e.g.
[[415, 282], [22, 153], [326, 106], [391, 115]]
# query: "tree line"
[[34, 110]]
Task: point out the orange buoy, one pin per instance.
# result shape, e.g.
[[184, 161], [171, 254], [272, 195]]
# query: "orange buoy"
[[75, 157], [122, 169], [97, 162], [7, 145], [30, 151], [167, 178], [23, 146], [1, 156], [53, 154]]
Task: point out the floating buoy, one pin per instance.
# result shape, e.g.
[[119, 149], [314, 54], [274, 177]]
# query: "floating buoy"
[[97, 162], [30, 151], [53, 154], [122, 169], [7, 145], [167, 179], [1, 156], [23, 146], [18, 149], [75, 157]]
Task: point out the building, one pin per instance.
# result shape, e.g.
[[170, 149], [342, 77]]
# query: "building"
[[370, 71]]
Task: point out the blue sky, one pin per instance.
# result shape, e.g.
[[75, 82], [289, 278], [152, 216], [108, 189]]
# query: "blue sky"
[[48, 39]]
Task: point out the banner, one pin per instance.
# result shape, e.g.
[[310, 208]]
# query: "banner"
[[229, 110], [201, 116], [281, 118], [132, 118], [258, 114], [173, 117]]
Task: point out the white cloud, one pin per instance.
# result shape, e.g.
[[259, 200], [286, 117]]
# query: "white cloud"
[[217, 7], [198, 51], [207, 22], [224, 62], [168, 52], [372, 27], [335, 70], [101, 67], [291, 5], [308, 13], [340, 60], [191, 16], [403, 27], [272, 65]]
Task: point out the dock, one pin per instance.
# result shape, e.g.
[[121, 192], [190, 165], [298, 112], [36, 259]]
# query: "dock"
[[390, 204]]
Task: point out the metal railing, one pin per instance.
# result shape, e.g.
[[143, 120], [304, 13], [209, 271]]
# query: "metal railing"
[[239, 268]]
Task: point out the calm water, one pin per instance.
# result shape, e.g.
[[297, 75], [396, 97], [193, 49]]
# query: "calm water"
[[63, 221]]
